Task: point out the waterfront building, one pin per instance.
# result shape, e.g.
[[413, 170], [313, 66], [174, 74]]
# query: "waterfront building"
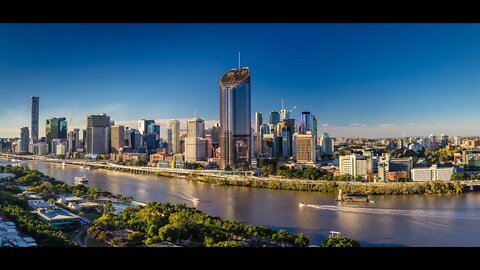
[[118, 138], [40, 148], [471, 160], [24, 140], [196, 149], [34, 109], [356, 165], [432, 174], [57, 217], [235, 119], [195, 128], [98, 134], [304, 147], [400, 165], [173, 136], [56, 128]]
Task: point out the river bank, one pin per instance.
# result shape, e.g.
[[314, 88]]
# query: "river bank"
[[326, 186]]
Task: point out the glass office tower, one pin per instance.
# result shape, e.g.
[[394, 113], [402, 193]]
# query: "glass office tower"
[[235, 114]]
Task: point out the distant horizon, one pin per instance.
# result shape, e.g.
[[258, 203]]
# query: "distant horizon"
[[359, 80]]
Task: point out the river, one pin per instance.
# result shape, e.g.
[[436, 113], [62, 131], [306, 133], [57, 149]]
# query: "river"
[[401, 220]]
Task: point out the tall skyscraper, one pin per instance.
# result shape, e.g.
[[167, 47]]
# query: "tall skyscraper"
[[314, 128], [76, 137], [304, 147], [216, 134], [274, 118], [326, 144], [173, 136], [305, 122], [71, 143], [235, 119], [118, 138], [35, 101], [143, 125], [258, 122], [195, 128], [24, 140], [56, 128], [98, 134]]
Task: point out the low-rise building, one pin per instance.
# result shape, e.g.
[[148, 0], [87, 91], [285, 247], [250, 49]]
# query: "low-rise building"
[[57, 218], [432, 174]]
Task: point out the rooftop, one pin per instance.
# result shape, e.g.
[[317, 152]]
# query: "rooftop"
[[56, 214]]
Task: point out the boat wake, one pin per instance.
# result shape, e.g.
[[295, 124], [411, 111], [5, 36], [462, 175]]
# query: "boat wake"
[[188, 197], [397, 212]]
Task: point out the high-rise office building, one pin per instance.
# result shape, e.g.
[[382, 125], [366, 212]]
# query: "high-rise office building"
[[195, 128], [235, 119], [135, 139], [118, 138], [197, 149], [284, 114], [314, 128], [143, 125], [305, 122], [274, 118], [258, 121], [71, 143], [56, 128], [24, 140], [98, 134], [76, 137], [173, 136], [35, 101], [443, 140], [304, 147], [154, 129], [128, 137], [84, 139], [216, 134], [326, 144]]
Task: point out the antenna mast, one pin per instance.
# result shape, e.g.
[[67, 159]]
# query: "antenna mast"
[[282, 103], [239, 60]]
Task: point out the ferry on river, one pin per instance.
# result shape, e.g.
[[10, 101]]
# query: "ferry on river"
[[81, 179], [354, 197]]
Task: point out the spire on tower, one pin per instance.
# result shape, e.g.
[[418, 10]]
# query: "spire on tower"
[[239, 60]]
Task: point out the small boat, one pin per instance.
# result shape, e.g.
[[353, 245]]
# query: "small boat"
[[63, 164], [81, 179], [301, 204], [195, 199]]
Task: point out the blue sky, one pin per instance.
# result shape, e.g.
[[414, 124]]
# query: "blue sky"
[[360, 80]]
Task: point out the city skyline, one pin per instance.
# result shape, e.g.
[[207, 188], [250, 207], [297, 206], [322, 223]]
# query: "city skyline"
[[359, 80]]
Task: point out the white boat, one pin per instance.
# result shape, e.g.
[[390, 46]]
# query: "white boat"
[[301, 204], [195, 199], [81, 179], [63, 164]]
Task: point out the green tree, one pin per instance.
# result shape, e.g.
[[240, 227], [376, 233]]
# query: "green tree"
[[301, 240], [339, 241], [136, 238]]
